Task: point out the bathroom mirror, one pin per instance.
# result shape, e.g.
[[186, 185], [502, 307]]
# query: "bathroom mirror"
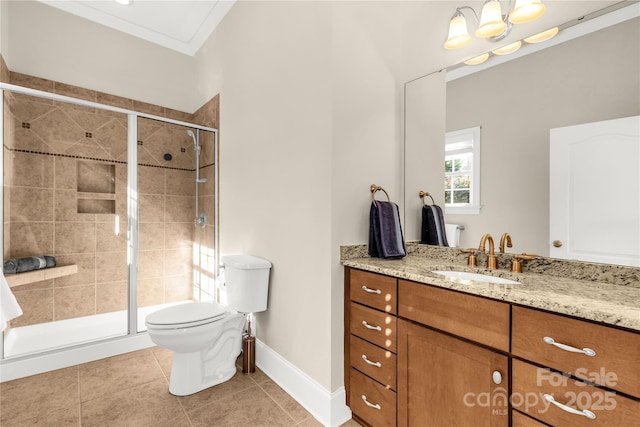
[[590, 78]]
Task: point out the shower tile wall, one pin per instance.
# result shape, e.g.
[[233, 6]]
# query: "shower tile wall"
[[52, 151]]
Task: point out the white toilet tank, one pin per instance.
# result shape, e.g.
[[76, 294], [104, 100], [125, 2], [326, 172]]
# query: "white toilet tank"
[[247, 282]]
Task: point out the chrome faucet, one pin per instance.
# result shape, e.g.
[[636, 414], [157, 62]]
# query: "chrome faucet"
[[505, 238], [492, 261]]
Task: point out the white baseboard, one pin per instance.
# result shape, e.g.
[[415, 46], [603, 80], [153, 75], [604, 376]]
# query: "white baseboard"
[[326, 407]]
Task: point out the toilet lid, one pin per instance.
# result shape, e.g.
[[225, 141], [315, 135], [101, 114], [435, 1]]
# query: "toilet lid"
[[186, 315]]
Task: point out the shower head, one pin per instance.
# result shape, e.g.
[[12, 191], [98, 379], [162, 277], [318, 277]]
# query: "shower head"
[[193, 136]]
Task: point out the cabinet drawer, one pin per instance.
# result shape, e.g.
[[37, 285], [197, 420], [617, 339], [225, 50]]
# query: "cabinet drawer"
[[530, 383], [372, 402], [374, 290], [374, 361], [615, 364], [519, 420], [374, 326], [478, 319]]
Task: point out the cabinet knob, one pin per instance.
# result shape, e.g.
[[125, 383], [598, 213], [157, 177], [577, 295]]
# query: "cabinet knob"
[[557, 243], [497, 377]]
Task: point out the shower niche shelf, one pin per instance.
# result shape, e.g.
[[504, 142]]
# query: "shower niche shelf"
[[96, 203], [96, 188], [27, 277]]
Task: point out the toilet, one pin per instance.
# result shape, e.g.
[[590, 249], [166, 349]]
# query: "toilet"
[[205, 337]]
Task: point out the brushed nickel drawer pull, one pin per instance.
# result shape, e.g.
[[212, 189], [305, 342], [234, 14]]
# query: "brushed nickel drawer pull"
[[368, 326], [585, 412], [371, 291], [376, 364], [586, 351], [370, 405]]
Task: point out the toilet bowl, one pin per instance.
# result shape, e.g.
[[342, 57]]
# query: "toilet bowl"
[[205, 337]]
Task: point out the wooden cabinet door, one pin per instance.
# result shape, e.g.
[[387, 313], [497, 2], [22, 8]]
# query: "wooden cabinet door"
[[444, 381]]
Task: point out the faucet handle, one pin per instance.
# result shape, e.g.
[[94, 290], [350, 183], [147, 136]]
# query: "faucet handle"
[[516, 262], [472, 260]]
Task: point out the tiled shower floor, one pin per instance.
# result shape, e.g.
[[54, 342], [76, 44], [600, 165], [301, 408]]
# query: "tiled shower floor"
[[132, 390]]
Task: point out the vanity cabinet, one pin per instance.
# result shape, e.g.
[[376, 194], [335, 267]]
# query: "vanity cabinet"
[[421, 355], [370, 347], [602, 356]]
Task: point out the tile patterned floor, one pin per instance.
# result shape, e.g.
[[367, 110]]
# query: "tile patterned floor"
[[131, 390]]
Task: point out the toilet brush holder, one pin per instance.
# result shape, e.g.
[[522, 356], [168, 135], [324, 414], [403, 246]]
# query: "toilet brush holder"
[[248, 354]]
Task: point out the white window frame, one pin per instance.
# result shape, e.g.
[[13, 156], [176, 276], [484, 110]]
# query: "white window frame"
[[463, 135]]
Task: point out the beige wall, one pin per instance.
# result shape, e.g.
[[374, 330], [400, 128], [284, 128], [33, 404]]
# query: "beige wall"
[[4, 26], [276, 165], [595, 77]]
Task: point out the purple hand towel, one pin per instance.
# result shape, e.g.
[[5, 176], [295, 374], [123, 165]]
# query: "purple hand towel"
[[385, 231], [433, 231]]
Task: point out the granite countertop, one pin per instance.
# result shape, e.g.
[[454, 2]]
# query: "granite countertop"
[[610, 304]]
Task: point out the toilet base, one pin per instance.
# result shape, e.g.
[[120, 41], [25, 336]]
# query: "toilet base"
[[187, 378], [199, 370]]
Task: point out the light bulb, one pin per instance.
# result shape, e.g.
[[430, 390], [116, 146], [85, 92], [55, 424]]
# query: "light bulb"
[[491, 23], [526, 11], [458, 34]]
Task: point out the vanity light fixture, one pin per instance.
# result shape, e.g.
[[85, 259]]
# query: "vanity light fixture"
[[492, 25]]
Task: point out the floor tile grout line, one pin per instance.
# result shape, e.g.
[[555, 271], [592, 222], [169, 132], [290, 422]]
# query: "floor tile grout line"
[[147, 381], [155, 356], [278, 404], [217, 400], [184, 411]]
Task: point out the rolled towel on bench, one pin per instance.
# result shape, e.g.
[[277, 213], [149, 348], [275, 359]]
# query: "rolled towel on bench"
[[21, 265]]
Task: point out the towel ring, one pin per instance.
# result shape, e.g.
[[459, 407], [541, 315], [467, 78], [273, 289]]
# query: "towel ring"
[[375, 188], [422, 195]]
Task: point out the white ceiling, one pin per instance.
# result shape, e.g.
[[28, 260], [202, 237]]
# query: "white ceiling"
[[181, 25]]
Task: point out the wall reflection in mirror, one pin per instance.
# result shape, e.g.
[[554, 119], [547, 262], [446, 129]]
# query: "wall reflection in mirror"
[[592, 78]]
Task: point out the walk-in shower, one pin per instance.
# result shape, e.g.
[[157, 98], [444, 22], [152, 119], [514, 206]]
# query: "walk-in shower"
[[110, 194]]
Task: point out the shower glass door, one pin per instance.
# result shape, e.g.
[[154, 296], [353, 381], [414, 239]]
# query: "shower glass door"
[[65, 199], [167, 159]]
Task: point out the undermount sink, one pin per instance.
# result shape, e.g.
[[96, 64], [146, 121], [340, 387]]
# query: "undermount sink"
[[464, 277]]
